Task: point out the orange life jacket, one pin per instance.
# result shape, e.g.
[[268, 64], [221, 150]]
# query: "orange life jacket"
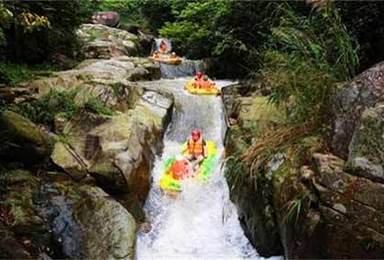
[[196, 148], [203, 83]]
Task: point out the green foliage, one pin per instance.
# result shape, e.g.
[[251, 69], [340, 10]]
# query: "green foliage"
[[304, 58], [363, 20], [155, 13], [113, 5], [35, 30], [229, 31], [11, 177], [193, 29], [13, 73], [235, 173], [43, 110], [293, 210], [99, 107]]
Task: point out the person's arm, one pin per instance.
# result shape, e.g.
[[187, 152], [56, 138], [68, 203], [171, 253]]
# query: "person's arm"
[[205, 149], [185, 147]]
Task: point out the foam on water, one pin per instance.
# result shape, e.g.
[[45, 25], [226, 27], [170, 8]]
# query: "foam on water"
[[201, 223]]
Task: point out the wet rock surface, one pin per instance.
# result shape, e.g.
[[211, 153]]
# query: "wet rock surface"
[[118, 150], [362, 93], [329, 207], [53, 215], [103, 42], [70, 190], [352, 211], [108, 18], [254, 198], [366, 155], [22, 140]]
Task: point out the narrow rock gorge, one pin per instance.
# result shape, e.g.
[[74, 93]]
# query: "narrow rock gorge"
[[77, 186], [327, 205]]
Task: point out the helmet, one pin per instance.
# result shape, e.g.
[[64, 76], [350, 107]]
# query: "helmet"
[[196, 133]]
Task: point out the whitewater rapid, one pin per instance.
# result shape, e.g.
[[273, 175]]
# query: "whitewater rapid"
[[202, 223]]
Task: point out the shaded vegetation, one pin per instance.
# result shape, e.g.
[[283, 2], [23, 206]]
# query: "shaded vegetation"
[[304, 59], [59, 103], [35, 30], [14, 73]]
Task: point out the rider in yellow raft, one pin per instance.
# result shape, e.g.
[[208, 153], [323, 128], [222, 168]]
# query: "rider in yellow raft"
[[163, 47], [162, 55], [196, 149], [202, 85]]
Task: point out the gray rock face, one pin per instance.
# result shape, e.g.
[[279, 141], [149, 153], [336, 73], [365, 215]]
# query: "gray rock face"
[[109, 234], [327, 209], [253, 197], [361, 93], [108, 79], [60, 218], [118, 150], [29, 143], [108, 18], [103, 42], [352, 211], [110, 143], [366, 151]]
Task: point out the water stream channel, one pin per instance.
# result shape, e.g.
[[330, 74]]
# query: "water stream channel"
[[202, 223]]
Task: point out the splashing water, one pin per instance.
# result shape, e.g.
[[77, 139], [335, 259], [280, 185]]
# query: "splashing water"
[[201, 223]]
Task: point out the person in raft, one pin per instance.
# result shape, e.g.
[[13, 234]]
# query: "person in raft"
[[163, 48], [196, 149], [156, 55], [202, 81], [173, 55]]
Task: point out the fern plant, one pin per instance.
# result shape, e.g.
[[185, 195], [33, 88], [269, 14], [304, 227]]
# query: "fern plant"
[[304, 58]]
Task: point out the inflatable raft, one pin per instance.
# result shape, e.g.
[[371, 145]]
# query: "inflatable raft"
[[202, 88], [166, 59], [176, 170]]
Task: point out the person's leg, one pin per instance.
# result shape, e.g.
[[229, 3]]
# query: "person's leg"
[[189, 157], [196, 164]]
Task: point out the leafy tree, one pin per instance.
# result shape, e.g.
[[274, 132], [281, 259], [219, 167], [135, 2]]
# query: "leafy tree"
[[229, 31], [34, 30]]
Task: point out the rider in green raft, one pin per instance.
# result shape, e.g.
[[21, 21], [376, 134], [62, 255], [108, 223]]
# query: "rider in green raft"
[[196, 149], [198, 160]]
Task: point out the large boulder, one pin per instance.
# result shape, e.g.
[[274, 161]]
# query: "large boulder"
[[352, 211], [108, 18], [361, 93], [253, 196], [21, 139], [58, 218], [366, 151], [108, 80], [103, 42], [117, 151]]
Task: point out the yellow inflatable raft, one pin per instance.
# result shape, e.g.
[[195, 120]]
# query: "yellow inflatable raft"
[[167, 60], [168, 182], [211, 89]]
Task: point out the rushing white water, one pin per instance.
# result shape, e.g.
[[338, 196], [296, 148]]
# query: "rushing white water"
[[202, 222]]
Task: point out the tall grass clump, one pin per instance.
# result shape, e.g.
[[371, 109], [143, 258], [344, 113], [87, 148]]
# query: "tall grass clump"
[[305, 58]]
